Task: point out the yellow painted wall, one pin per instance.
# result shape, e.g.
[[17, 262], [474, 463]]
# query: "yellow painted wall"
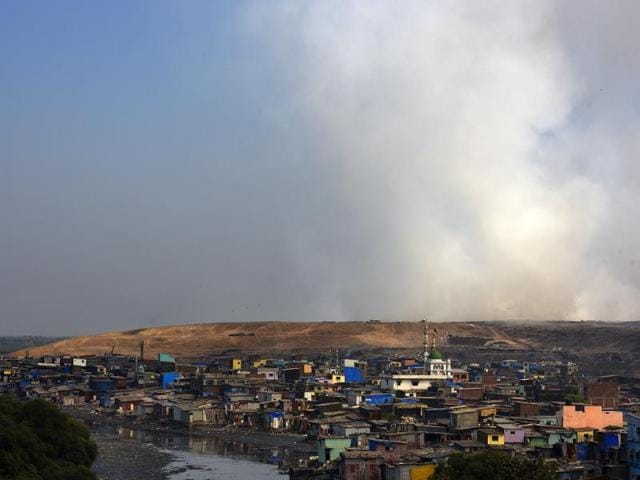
[[236, 364], [337, 378], [487, 412], [487, 439], [259, 363], [307, 368], [580, 436], [423, 472]]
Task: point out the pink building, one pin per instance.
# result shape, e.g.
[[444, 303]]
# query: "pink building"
[[513, 434], [588, 416]]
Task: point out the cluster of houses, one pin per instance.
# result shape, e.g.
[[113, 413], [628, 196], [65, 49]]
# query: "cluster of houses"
[[378, 417]]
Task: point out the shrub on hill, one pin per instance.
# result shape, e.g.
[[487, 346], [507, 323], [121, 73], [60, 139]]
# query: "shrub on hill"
[[39, 442]]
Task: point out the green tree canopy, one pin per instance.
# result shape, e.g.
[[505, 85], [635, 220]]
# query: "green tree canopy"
[[39, 442], [495, 465]]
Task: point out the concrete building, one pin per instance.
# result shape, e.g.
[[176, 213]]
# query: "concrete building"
[[359, 464], [604, 394], [588, 416], [464, 418], [491, 437], [330, 448], [513, 434], [633, 446]]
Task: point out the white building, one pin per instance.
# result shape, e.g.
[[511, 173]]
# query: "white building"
[[406, 382], [436, 368]]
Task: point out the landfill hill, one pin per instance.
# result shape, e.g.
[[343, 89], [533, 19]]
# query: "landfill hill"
[[556, 339]]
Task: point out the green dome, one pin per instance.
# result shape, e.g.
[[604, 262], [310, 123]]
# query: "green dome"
[[435, 355]]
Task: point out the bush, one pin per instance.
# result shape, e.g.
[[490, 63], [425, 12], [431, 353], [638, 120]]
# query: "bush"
[[495, 465], [39, 442]]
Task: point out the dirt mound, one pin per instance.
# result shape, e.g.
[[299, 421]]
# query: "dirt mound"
[[258, 337], [191, 341]]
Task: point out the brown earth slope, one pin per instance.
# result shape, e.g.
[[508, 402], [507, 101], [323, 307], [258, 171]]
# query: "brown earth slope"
[[263, 337], [191, 341]]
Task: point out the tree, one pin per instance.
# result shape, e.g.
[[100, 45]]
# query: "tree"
[[573, 395], [495, 465], [39, 442]]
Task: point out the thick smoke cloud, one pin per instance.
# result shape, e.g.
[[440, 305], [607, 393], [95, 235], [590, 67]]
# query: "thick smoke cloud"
[[330, 160], [485, 155]]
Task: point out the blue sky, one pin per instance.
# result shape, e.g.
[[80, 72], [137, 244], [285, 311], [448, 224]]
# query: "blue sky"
[[118, 119]]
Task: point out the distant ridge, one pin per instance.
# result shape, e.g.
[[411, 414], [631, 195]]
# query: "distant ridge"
[[15, 342]]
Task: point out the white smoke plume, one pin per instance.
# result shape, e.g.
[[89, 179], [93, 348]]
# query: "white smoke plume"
[[481, 155]]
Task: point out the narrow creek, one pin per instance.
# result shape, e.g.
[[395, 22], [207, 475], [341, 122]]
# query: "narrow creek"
[[127, 454]]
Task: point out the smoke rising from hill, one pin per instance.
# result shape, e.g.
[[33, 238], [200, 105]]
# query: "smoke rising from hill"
[[482, 157]]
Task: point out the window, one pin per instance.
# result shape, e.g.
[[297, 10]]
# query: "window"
[[494, 438], [415, 383]]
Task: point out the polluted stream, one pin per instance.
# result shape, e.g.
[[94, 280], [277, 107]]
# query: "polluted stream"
[[127, 454]]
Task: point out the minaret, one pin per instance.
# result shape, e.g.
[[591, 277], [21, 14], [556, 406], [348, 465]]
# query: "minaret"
[[426, 342], [433, 340]]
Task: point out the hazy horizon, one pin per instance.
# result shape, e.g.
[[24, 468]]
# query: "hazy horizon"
[[192, 162]]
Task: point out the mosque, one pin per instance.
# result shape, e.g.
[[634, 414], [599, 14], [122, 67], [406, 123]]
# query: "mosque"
[[435, 369]]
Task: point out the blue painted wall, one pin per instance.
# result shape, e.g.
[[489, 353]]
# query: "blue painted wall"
[[353, 375], [168, 378]]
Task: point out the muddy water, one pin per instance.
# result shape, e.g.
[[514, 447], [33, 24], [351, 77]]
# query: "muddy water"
[[185, 457], [207, 466]]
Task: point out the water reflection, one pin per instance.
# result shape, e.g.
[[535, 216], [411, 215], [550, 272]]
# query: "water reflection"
[[207, 445], [194, 466]]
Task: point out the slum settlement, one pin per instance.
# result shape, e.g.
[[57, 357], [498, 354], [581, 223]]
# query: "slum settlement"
[[378, 417]]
